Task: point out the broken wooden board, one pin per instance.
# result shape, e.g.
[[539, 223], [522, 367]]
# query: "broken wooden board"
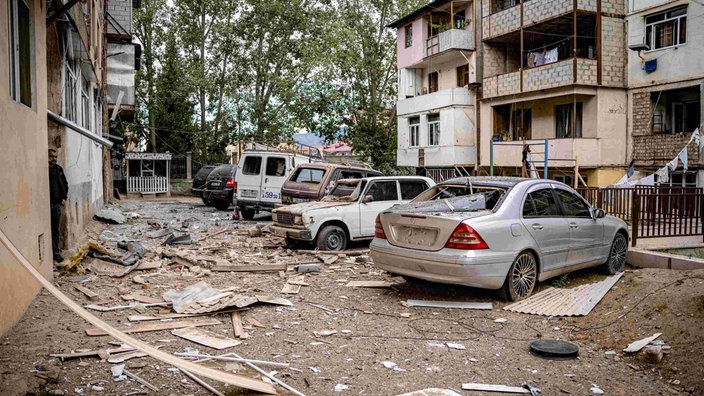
[[273, 300], [432, 392], [291, 289], [206, 338], [122, 357], [298, 280], [143, 299], [237, 324], [249, 268], [369, 284], [75, 355], [89, 293], [636, 346], [93, 332], [448, 304], [494, 388]]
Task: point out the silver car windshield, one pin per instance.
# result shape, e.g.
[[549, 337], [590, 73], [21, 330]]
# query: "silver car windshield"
[[458, 198], [347, 191]]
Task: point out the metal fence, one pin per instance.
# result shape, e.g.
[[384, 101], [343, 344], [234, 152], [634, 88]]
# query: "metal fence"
[[179, 168], [652, 211]]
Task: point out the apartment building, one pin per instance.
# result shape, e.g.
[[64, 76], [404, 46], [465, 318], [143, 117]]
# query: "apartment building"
[[665, 85], [555, 70], [437, 96]]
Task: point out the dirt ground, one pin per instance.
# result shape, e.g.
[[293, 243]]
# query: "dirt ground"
[[372, 324]]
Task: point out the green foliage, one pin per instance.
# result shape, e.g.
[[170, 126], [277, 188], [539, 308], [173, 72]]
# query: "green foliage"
[[562, 281]]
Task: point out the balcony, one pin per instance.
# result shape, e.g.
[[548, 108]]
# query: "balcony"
[[436, 100], [552, 75], [459, 39], [508, 154], [508, 20]]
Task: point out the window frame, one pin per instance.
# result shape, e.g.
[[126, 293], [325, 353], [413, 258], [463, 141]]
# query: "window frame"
[[20, 52], [278, 158], [373, 183], [411, 182], [414, 132], [563, 209], [433, 129], [408, 38], [259, 166], [578, 124], [433, 82], [538, 189], [650, 27], [462, 75]]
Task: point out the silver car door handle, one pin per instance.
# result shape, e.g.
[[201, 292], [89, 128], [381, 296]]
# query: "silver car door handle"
[[537, 227], [574, 225]]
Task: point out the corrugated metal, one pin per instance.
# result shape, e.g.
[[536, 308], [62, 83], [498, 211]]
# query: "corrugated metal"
[[578, 301]]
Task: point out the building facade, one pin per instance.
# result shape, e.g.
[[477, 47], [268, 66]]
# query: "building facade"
[[24, 198], [665, 85], [437, 98], [555, 70]]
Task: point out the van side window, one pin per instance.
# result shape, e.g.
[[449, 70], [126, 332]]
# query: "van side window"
[[411, 188], [252, 165], [275, 166]]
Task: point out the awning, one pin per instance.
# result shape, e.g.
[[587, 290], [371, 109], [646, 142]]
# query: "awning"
[[71, 125]]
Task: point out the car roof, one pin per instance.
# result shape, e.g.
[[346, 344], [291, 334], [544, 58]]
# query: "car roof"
[[328, 165], [501, 181], [372, 178]]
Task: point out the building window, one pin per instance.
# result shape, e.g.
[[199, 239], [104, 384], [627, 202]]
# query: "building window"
[[71, 74], [666, 29], [409, 35], [675, 111], [414, 131], [433, 130], [85, 105], [564, 120], [463, 76], [460, 20], [20, 51], [432, 82]]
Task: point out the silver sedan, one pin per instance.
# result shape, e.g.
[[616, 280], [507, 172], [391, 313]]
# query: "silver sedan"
[[497, 233]]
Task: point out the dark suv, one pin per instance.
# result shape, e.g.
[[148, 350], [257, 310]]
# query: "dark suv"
[[199, 180], [220, 186]]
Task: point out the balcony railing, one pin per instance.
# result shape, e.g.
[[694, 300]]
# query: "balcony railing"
[[508, 154], [534, 12], [447, 40], [436, 100], [542, 77]]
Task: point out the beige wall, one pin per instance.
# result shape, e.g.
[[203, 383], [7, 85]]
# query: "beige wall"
[[24, 198]]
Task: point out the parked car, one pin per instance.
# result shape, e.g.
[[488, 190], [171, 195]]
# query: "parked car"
[[199, 180], [220, 187], [311, 182], [348, 213], [497, 233], [260, 175]]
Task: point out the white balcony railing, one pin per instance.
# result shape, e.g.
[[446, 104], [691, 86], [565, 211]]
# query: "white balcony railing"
[[147, 185], [447, 40]]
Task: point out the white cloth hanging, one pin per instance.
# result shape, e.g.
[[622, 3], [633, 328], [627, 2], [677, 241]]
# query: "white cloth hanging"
[[551, 56], [624, 180], [683, 156], [663, 174], [647, 181], [673, 164]]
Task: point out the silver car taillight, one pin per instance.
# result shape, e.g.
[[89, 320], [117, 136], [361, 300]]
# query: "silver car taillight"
[[466, 238]]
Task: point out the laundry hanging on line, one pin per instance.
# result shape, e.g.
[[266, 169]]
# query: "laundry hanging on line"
[[539, 58]]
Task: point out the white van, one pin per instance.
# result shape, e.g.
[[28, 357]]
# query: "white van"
[[260, 175]]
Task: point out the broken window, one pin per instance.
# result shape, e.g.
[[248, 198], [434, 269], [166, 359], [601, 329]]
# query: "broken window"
[[275, 166], [409, 35], [20, 51], [383, 191], [414, 131], [512, 124], [666, 29], [433, 129], [432, 82], [252, 165], [676, 111], [564, 127], [411, 188]]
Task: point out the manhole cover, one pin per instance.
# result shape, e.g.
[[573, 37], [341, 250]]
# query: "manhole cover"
[[554, 349]]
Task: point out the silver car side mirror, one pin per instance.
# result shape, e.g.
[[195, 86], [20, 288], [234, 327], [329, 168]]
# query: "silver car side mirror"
[[599, 214], [367, 199]]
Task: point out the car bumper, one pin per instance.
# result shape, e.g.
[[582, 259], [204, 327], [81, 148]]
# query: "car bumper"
[[218, 195], [197, 191], [479, 268], [293, 233], [256, 205]]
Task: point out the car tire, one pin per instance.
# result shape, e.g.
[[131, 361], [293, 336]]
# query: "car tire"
[[617, 255], [219, 205], [332, 237], [521, 278], [247, 214]]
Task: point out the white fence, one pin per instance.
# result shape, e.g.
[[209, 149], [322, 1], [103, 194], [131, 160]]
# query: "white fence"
[[147, 185]]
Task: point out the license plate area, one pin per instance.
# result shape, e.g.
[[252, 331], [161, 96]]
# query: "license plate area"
[[414, 236], [249, 193]]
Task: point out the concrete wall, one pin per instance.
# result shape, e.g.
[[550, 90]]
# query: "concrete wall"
[[408, 56], [24, 198], [121, 11]]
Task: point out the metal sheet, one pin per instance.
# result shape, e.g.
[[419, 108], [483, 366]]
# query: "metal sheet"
[[578, 301], [448, 304]]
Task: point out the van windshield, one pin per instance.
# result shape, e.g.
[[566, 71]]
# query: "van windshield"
[[308, 175]]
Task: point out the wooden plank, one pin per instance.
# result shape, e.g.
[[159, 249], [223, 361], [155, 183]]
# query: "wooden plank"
[[143, 299], [155, 327], [273, 300], [206, 338], [89, 293], [237, 324], [203, 383], [369, 284], [141, 381], [249, 268], [636, 346], [146, 318], [291, 289], [494, 388], [217, 375], [121, 357], [448, 304]]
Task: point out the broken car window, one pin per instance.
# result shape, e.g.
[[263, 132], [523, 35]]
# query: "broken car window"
[[491, 194], [252, 165], [411, 188], [383, 191], [308, 175]]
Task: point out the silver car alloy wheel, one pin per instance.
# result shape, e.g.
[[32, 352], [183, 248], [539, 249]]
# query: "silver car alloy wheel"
[[617, 257], [523, 275]]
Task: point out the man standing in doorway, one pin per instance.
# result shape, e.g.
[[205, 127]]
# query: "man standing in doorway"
[[58, 192]]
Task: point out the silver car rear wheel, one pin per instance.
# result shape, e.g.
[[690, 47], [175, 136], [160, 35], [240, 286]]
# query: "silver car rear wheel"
[[521, 278], [617, 255]]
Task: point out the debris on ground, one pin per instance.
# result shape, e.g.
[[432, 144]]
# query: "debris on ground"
[[494, 388], [111, 216], [636, 346], [448, 304]]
